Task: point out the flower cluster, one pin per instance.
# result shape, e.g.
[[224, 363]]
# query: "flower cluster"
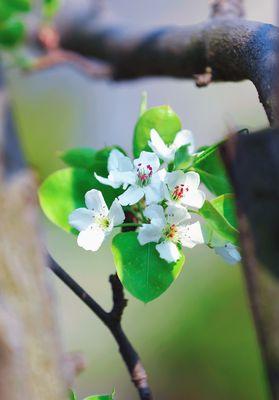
[[165, 201]]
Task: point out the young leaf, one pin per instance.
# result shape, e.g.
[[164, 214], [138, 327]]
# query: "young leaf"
[[100, 397], [82, 157], [64, 191], [212, 171], [163, 119], [182, 159], [142, 272], [11, 32], [219, 215], [72, 396]]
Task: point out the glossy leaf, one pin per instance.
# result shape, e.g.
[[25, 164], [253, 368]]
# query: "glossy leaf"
[[219, 216], [11, 32], [182, 159], [163, 119], [64, 190], [212, 171], [79, 157], [142, 272]]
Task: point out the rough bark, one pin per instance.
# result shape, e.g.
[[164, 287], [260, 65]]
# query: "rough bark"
[[235, 49], [253, 164]]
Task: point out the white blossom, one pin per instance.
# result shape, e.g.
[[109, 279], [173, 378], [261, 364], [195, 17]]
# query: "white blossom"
[[182, 188], [96, 221], [229, 253], [169, 228], [167, 152], [142, 178]]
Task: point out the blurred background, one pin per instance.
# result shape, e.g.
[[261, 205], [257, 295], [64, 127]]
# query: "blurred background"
[[197, 341]]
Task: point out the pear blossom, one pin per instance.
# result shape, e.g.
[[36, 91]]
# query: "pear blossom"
[[142, 178], [169, 228], [229, 252], [96, 221], [182, 188], [120, 170], [167, 153]]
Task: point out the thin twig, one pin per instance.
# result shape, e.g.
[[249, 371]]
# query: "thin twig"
[[112, 320]]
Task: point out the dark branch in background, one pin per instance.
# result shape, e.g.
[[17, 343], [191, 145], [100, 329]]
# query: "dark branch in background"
[[112, 320], [253, 164], [233, 48]]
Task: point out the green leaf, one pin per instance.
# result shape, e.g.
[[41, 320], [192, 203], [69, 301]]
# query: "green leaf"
[[142, 272], [5, 11], [182, 159], [212, 171], [219, 215], [64, 191], [163, 119], [100, 165], [11, 32], [50, 7], [19, 5], [73, 396], [100, 397], [143, 104], [80, 158]]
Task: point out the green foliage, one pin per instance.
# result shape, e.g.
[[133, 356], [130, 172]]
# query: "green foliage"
[[50, 7], [11, 32], [89, 158], [212, 171], [72, 396], [82, 157], [18, 5], [182, 159], [163, 119], [219, 215], [64, 191], [142, 272]]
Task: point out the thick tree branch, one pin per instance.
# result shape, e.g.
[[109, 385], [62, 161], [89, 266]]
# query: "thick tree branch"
[[233, 48], [227, 8], [112, 320]]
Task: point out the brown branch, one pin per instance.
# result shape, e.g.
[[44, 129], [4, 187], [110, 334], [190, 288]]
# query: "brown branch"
[[234, 49], [227, 8], [113, 321]]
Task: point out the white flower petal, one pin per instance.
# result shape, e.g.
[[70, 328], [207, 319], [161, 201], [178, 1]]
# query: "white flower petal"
[[149, 233], [81, 218], [229, 253], [107, 181], [155, 211], [118, 161], [194, 198], [184, 137], [91, 238], [153, 193], [175, 178], [94, 200], [192, 180], [132, 195], [126, 177], [176, 214], [147, 158], [190, 235], [168, 251], [116, 213], [159, 147]]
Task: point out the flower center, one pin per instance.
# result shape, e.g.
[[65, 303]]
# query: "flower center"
[[170, 232], [144, 174], [103, 222], [179, 192]]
